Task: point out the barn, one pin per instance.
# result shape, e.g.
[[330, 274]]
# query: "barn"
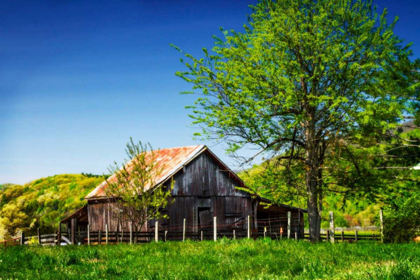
[[204, 187]]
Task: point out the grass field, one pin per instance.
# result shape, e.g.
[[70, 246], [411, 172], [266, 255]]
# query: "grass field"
[[225, 259]]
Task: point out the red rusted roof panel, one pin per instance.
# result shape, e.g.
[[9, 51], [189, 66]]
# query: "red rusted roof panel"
[[170, 160]]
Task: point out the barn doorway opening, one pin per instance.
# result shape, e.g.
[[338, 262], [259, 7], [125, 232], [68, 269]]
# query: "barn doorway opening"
[[204, 217]]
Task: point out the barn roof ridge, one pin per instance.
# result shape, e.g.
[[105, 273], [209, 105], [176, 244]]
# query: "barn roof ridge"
[[175, 163]]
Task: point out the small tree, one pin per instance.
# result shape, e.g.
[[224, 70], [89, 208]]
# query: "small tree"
[[133, 189]]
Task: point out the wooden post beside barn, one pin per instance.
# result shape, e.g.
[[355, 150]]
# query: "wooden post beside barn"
[[327, 236], [215, 228], [289, 222], [249, 227], [99, 237], [202, 236], [356, 235], [281, 233], [88, 235], [184, 229], [156, 231], [39, 236], [131, 233], [22, 238], [342, 235], [265, 231], [106, 234], [166, 233], [234, 235], [332, 227]]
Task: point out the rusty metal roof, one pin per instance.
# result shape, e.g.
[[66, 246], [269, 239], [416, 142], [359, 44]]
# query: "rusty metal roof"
[[170, 160]]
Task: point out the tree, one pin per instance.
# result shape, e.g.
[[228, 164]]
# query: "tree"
[[312, 84], [133, 188]]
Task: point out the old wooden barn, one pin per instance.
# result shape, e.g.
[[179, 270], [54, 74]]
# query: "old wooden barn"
[[204, 188]]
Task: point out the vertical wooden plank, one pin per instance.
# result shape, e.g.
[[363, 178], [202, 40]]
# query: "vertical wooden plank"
[[202, 236], [166, 233], [265, 231], [289, 222], [234, 235], [281, 233], [184, 229], [381, 219], [328, 236], [73, 231], [332, 227], [58, 237], [99, 237], [22, 238], [88, 234], [131, 233], [39, 236], [215, 228], [342, 235], [249, 227], [296, 235], [106, 234], [156, 231], [356, 235]]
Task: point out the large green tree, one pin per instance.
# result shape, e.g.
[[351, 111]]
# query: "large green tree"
[[312, 83]]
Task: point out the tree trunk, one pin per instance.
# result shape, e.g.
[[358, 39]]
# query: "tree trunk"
[[313, 212]]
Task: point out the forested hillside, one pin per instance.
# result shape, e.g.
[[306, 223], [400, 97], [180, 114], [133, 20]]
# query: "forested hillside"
[[42, 203]]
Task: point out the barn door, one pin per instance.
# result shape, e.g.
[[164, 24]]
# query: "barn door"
[[204, 216]]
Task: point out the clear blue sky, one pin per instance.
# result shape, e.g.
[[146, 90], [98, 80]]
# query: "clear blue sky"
[[78, 78]]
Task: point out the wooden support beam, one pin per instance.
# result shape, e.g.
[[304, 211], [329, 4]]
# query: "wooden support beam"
[[73, 230], [99, 237], [131, 233], [289, 223], [202, 236]]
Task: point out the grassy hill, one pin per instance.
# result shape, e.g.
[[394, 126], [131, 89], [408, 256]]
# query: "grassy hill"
[[42, 203]]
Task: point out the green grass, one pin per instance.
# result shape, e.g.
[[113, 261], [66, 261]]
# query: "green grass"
[[225, 259]]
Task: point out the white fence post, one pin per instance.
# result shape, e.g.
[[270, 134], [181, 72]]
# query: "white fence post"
[[289, 223], [156, 231], [249, 227], [215, 229], [332, 227]]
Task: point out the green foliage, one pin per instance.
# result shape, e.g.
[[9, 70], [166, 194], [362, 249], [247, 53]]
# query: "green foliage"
[[226, 259], [42, 203], [402, 222], [320, 85]]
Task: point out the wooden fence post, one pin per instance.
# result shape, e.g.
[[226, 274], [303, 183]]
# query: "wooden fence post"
[[234, 235], [22, 238], [184, 229], [215, 228], [99, 237], [106, 234], [342, 235], [202, 236], [289, 223], [265, 231], [156, 231], [332, 227], [88, 234], [381, 219], [355, 236], [166, 233], [39, 236], [131, 233], [327, 236], [249, 227], [281, 233], [296, 235]]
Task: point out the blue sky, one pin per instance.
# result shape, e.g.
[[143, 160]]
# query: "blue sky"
[[78, 78]]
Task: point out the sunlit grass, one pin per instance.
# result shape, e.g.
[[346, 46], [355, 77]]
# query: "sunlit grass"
[[225, 259]]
